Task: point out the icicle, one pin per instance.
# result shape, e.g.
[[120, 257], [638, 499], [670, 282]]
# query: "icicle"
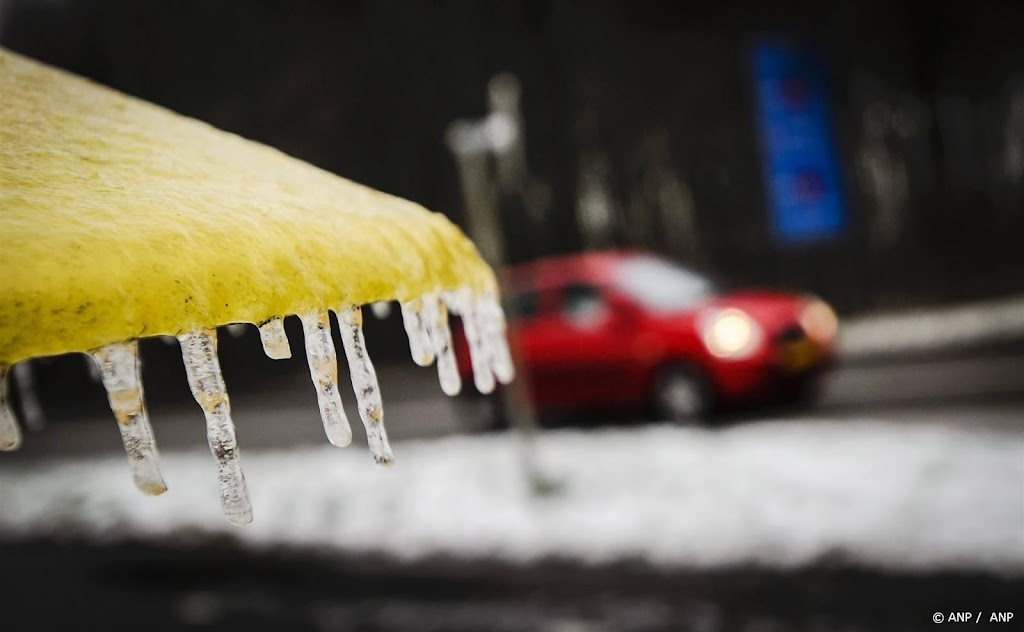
[[31, 410], [381, 309], [416, 329], [90, 366], [435, 314], [10, 434], [364, 383], [119, 369], [323, 368], [275, 340], [199, 351], [462, 303], [492, 325]]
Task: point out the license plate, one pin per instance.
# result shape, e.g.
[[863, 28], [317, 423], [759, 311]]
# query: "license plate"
[[799, 356]]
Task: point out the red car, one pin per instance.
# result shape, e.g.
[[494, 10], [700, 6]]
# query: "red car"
[[616, 329]]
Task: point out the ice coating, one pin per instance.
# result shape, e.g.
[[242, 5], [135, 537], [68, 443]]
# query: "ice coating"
[[381, 309], [420, 347], [199, 351], [118, 366], [323, 368], [10, 434], [352, 245], [364, 383], [435, 316], [491, 319], [462, 303], [91, 368], [275, 340]]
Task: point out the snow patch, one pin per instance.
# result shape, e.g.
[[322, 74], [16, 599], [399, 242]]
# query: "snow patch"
[[781, 494]]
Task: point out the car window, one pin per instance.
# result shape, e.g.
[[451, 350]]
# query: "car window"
[[525, 305], [584, 305], [660, 285]]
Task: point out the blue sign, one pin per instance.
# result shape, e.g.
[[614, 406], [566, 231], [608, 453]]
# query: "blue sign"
[[802, 175]]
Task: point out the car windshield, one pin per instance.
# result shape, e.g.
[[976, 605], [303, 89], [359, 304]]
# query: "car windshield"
[[662, 286]]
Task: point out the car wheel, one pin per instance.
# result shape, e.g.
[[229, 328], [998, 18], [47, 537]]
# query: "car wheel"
[[681, 396]]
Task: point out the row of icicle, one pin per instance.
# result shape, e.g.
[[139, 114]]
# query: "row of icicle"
[[430, 339]]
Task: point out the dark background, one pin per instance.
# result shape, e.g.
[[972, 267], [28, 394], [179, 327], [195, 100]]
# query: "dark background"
[[928, 104]]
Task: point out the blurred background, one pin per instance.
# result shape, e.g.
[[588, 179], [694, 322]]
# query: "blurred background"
[[784, 164]]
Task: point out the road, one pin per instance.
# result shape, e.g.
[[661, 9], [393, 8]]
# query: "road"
[[49, 585], [280, 409]]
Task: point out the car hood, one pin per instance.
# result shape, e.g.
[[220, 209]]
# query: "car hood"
[[772, 310]]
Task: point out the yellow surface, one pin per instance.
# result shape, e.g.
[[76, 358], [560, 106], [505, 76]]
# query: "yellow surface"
[[120, 219]]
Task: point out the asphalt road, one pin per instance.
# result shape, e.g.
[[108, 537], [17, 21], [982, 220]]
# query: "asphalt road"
[[62, 585], [279, 409]]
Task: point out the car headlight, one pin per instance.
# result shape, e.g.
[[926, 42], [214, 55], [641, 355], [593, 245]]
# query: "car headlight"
[[731, 333], [819, 321]]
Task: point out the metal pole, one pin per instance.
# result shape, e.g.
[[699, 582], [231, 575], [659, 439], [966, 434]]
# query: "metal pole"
[[472, 142]]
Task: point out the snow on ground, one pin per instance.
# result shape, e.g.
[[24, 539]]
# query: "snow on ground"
[[933, 329], [894, 495]]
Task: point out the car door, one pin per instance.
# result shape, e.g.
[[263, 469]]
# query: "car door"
[[589, 346], [534, 334]]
